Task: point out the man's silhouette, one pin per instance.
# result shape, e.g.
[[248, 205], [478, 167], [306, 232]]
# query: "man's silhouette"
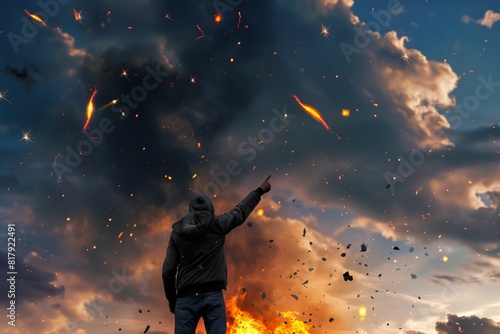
[[195, 270]]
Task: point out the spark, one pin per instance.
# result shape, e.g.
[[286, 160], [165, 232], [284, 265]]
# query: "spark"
[[124, 74], [218, 18], [239, 20], [346, 112], [312, 111], [406, 58], [202, 33], [90, 109], [36, 18], [362, 312], [167, 16], [192, 80], [3, 95], [26, 136], [110, 103], [78, 16], [325, 31]]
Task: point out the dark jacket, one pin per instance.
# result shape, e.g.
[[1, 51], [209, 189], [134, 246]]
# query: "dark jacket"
[[195, 260]]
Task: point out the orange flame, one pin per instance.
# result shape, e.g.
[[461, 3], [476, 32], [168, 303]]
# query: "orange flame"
[[90, 109], [78, 15], [242, 322], [36, 18], [312, 111]]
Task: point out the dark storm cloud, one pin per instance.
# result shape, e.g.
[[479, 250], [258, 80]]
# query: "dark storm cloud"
[[467, 324]]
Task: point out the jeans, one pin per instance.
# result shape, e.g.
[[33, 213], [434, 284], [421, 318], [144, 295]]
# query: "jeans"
[[207, 305]]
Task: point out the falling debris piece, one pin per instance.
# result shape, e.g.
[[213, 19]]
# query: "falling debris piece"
[[90, 109], [331, 320], [323, 258], [305, 282], [343, 254], [140, 311], [304, 232], [250, 224], [412, 249], [263, 295], [395, 248], [147, 328], [348, 246], [387, 186], [413, 276], [271, 240], [294, 296], [347, 277], [363, 247]]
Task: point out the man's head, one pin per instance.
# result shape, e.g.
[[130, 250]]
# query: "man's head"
[[201, 203]]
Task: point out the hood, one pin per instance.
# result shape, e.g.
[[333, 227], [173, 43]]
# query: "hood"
[[201, 203], [193, 224]]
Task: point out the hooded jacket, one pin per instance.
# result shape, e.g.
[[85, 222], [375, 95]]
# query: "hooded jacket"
[[195, 260]]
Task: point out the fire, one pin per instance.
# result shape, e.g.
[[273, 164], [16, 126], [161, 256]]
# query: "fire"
[[242, 322], [90, 109], [312, 111], [36, 18]]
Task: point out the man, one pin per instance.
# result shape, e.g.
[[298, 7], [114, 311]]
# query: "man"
[[195, 269]]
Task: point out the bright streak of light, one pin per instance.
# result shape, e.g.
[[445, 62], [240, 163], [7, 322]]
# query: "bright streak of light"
[[36, 18], [3, 95], [312, 112], [110, 103], [90, 109], [78, 15], [26, 136], [201, 31], [239, 20]]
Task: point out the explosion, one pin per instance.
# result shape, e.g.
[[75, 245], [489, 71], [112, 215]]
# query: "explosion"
[[242, 322]]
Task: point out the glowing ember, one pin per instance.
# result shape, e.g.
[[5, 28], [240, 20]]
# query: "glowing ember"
[[36, 18], [218, 18], [90, 109], [312, 111], [346, 112], [78, 15]]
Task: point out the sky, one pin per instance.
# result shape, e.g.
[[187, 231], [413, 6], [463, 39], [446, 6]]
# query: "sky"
[[378, 124]]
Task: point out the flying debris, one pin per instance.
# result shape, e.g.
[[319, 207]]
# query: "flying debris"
[[363, 247], [413, 276], [395, 248], [36, 18], [201, 31], [347, 276], [294, 296], [250, 224], [78, 16], [312, 112], [90, 109], [304, 232], [147, 328]]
